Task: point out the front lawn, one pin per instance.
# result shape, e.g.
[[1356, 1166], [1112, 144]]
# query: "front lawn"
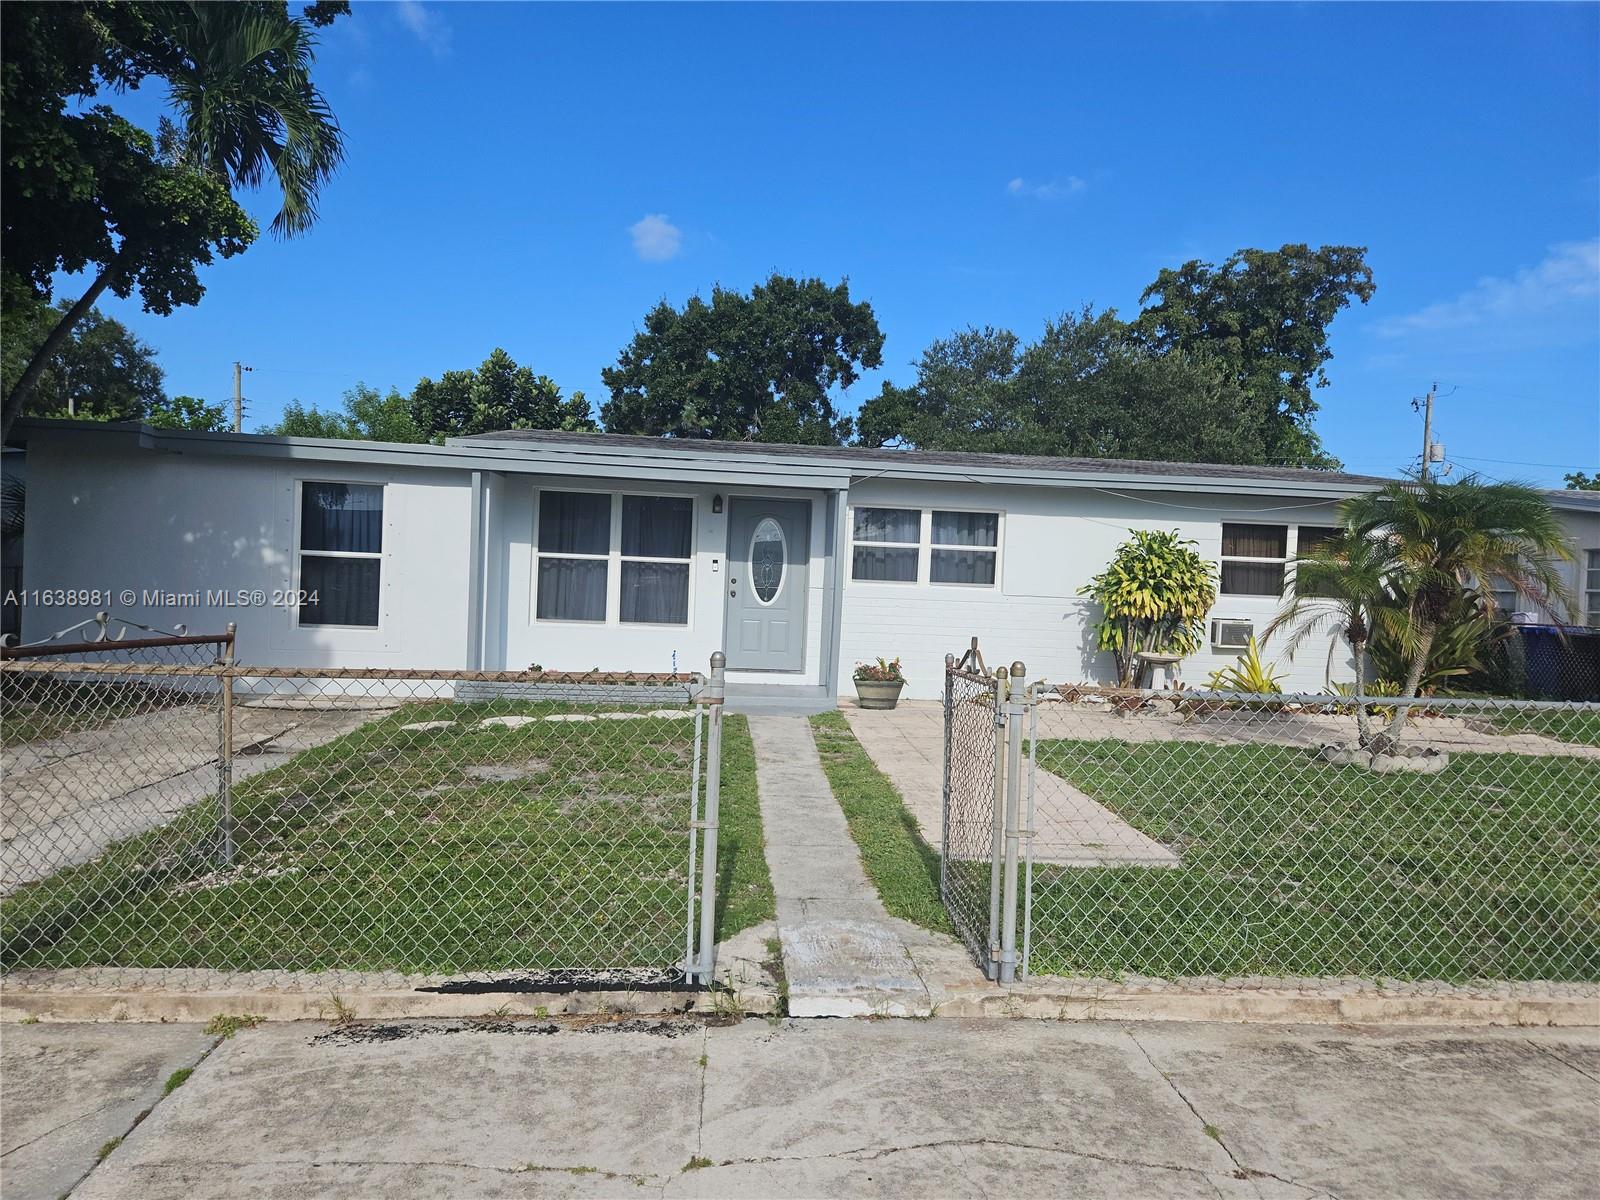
[[1290, 866], [469, 848]]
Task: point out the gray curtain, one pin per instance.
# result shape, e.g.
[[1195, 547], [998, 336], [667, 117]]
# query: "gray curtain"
[[342, 516], [346, 590], [572, 589], [1252, 579], [965, 529], [574, 523], [657, 526], [894, 563], [1255, 541], [962, 566], [888, 525], [655, 593]]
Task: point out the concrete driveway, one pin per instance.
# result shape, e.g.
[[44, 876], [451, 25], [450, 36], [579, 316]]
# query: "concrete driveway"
[[940, 1108]]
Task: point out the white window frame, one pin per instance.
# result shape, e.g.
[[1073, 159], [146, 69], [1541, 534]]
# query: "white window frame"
[[1591, 587], [1242, 558], [614, 558], [922, 537], [925, 546], [300, 554], [616, 543]]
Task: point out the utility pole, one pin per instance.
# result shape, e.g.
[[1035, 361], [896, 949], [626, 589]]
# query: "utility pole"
[[1427, 431], [238, 395]]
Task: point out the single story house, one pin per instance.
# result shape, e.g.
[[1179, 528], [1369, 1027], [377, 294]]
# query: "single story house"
[[577, 551]]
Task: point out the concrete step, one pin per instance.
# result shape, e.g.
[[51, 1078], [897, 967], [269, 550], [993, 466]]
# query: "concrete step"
[[839, 967]]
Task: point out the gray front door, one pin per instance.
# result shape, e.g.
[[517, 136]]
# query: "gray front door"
[[767, 552]]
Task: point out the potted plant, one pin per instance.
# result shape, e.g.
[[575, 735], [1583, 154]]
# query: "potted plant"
[[878, 683]]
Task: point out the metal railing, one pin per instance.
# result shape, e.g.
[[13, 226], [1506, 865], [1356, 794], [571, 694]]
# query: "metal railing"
[[1202, 834], [195, 813]]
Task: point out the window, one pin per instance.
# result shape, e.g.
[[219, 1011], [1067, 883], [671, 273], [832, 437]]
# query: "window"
[[1253, 558], [574, 556], [887, 542], [1591, 587], [656, 535], [1308, 540], [964, 546], [341, 553]]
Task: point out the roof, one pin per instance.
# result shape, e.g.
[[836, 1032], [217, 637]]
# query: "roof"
[[722, 463]]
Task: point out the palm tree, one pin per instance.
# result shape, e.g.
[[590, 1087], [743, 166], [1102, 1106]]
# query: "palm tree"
[[240, 81], [1344, 582], [1447, 539]]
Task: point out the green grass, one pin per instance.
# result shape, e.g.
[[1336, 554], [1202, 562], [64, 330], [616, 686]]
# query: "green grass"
[[1290, 866], [387, 849], [1582, 728], [903, 867], [176, 1080]]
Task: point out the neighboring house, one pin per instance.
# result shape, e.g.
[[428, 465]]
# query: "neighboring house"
[[629, 553]]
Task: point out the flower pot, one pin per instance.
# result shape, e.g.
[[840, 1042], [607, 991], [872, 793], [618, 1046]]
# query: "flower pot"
[[878, 693]]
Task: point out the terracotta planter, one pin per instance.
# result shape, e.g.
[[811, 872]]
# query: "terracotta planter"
[[876, 693]]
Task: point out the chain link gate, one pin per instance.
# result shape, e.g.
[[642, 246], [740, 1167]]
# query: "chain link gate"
[[169, 810], [1104, 832]]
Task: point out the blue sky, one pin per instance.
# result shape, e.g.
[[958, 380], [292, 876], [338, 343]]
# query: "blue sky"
[[536, 177]]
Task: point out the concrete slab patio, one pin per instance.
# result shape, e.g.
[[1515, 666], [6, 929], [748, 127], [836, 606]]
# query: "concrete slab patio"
[[862, 1108], [907, 744]]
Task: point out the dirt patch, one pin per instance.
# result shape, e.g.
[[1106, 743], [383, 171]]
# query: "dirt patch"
[[359, 1032], [636, 979], [505, 772]]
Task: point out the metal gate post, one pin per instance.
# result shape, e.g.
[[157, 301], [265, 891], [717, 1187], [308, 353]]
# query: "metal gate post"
[[1016, 715], [716, 691], [225, 754], [1028, 832], [991, 968], [690, 966], [944, 823]]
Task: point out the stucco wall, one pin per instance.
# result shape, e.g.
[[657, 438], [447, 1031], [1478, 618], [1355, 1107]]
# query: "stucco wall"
[[1052, 542], [150, 522]]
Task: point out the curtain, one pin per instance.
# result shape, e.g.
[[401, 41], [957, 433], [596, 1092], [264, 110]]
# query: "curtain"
[[1252, 579], [655, 593], [893, 563], [342, 516], [657, 526], [1312, 537], [571, 589], [888, 525], [961, 566], [1255, 541], [965, 529], [346, 590], [574, 523]]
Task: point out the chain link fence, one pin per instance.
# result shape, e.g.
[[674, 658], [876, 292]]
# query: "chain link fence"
[[1208, 834], [178, 811]]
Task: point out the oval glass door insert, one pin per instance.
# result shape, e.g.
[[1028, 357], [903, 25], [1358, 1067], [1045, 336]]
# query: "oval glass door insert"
[[768, 559]]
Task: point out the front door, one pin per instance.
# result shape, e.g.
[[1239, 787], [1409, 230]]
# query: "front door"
[[767, 552]]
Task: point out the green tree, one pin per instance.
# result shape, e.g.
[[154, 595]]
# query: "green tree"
[[366, 415], [1263, 315], [758, 367], [1087, 388], [499, 394], [100, 372], [1342, 583], [187, 412], [1582, 482], [1443, 540], [85, 190], [1153, 596]]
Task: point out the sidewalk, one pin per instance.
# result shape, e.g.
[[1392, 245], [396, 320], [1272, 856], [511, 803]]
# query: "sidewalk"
[[843, 955], [835, 1108]]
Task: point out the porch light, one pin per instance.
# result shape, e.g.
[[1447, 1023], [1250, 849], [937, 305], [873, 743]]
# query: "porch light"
[[716, 503]]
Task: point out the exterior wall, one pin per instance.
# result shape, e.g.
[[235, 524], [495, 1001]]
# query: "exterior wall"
[[517, 639], [1584, 530], [1053, 540], [151, 522]]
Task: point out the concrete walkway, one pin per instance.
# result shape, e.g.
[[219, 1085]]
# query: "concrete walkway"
[[839, 1108], [843, 955], [907, 744]]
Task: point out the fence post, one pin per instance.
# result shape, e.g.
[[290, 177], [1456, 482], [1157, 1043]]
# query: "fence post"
[[1016, 714], [991, 968], [716, 690], [944, 801], [225, 754], [690, 965]]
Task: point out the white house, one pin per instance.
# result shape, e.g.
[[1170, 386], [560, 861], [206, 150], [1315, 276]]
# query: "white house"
[[576, 551]]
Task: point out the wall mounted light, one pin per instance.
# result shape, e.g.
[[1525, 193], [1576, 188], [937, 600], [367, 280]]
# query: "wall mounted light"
[[716, 503]]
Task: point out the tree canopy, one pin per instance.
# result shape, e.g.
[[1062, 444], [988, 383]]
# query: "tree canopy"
[[366, 414], [499, 394], [1263, 315], [757, 367], [86, 190], [1579, 481], [1088, 388]]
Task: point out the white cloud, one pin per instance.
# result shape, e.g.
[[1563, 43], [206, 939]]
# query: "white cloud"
[[1056, 189], [428, 26], [656, 239], [1568, 275]]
